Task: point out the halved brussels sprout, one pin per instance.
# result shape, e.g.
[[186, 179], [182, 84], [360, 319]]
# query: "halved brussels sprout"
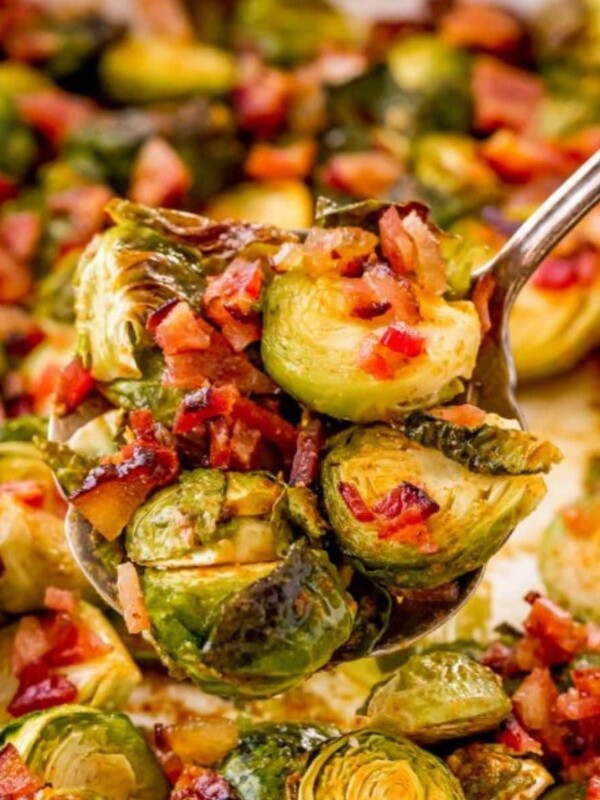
[[153, 68], [208, 517], [377, 765], [104, 681], [78, 748], [285, 203], [410, 515], [439, 695], [571, 328], [311, 343], [569, 559], [269, 755], [492, 772], [249, 630]]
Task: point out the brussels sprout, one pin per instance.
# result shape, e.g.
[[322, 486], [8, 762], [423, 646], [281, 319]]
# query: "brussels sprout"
[[373, 764], [69, 468], [17, 78], [469, 698], [569, 791], [310, 345], [34, 554], [571, 323], [468, 516], [150, 69], [54, 297], [18, 143], [287, 204], [99, 437], [568, 559], [268, 755], [22, 429], [124, 274], [105, 681], [78, 748], [492, 772], [249, 630], [208, 517]]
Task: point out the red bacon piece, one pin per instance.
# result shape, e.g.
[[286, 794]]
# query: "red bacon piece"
[[357, 506], [305, 465], [16, 779], [505, 97], [203, 404], [74, 384]]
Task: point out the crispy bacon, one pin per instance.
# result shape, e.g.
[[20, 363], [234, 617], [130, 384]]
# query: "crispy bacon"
[[482, 295], [54, 113], [16, 779], [61, 600], [74, 384], [411, 246], [83, 209], [534, 699], [20, 232], [160, 177], [203, 404], [179, 330], [465, 415], [200, 783], [238, 287], [219, 443], [484, 27], [382, 356], [244, 443], [52, 691], [305, 465], [407, 504], [345, 250], [403, 340], [362, 175], [504, 96], [517, 158], [15, 278], [396, 244], [559, 636], [516, 738], [8, 187], [575, 705], [131, 599], [31, 493], [273, 427], [356, 505], [261, 98], [593, 789], [270, 162]]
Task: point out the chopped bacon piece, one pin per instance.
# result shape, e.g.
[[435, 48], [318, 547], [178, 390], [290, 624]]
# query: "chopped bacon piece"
[[482, 295], [396, 244], [429, 265], [305, 465], [504, 96], [362, 175], [557, 274], [31, 493], [406, 504], [403, 340], [244, 443], [516, 738], [466, 415], [55, 114], [74, 384], [534, 700], [274, 428], [131, 599], [593, 789], [203, 404], [180, 330], [356, 505], [51, 691], [587, 681], [200, 783], [560, 637], [15, 278], [345, 250], [238, 288], [372, 361], [160, 177], [270, 162], [84, 210], [61, 600], [261, 99], [20, 232], [219, 443], [239, 332], [30, 645], [386, 289], [8, 187], [518, 159], [16, 779], [575, 706], [484, 27]]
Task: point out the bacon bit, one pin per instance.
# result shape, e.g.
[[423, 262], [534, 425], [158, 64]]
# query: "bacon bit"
[[429, 266], [356, 505], [534, 700], [238, 333], [30, 493], [84, 209], [200, 783], [574, 706], [179, 330], [372, 361], [362, 175], [131, 599], [504, 96], [219, 443], [261, 99], [305, 465], [482, 295], [497, 657], [244, 443], [397, 291], [15, 279], [587, 681], [237, 289], [9, 187], [516, 738], [403, 340], [30, 645], [465, 415], [581, 521], [21, 342], [160, 177], [593, 790], [74, 384], [396, 244], [52, 691], [560, 637], [55, 114], [16, 779], [482, 27], [203, 404], [345, 250], [519, 159], [274, 428], [407, 504], [20, 233], [269, 162], [557, 274], [61, 600]]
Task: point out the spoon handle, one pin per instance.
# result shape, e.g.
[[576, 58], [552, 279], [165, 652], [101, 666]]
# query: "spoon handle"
[[536, 238]]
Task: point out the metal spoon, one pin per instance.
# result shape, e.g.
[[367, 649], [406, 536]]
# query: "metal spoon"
[[491, 387]]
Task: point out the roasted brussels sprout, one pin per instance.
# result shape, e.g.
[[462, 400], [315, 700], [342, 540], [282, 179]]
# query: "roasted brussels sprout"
[[103, 680], [492, 772], [249, 630], [209, 517], [412, 516], [152, 68], [285, 203], [373, 764], [439, 695], [568, 558], [22, 429], [269, 756], [78, 748]]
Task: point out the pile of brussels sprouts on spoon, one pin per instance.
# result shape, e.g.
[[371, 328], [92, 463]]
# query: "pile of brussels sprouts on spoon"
[[270, 453]]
